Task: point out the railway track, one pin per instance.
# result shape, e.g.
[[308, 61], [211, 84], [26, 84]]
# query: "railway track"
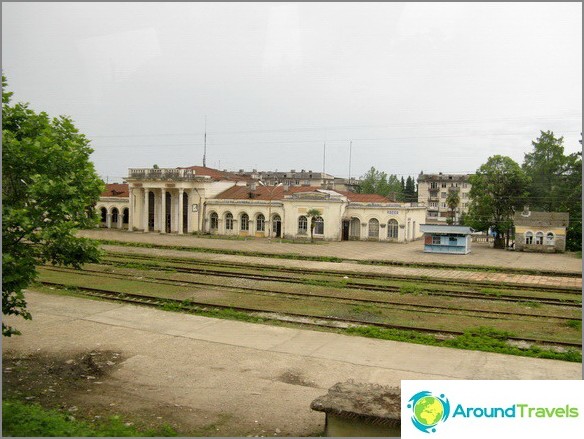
[[514, 298], [321, 321], [117, 257], [388, 303]]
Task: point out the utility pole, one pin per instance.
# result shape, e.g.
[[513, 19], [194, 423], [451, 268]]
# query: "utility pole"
[[324, 159], [205, 145]]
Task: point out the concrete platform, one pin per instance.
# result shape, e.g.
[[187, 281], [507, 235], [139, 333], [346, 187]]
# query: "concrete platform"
[[249, 372]]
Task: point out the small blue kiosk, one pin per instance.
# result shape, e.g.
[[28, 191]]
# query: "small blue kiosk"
[[440, 238]]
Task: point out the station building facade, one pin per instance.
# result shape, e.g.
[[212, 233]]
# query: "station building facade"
[[205, 200]]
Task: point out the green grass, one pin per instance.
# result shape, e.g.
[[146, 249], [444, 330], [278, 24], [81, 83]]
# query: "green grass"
[[30, 420], [410, 289], [477, 339], [576, 324]]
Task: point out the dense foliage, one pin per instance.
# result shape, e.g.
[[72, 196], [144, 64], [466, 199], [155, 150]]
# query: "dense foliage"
[[49, 188], [556, 183], [499, 188], [390, 186]]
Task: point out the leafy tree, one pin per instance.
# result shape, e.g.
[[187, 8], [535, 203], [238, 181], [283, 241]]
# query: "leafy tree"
[[410, 193], [556, 184], [452, 201], [499, 187], [377, 182], [49, 188], [313, 214]]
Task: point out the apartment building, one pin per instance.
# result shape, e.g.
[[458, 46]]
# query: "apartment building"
[[433, 190], [303, 177]]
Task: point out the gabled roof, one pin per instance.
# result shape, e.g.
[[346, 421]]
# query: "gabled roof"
[[116, 190], [541, 219]]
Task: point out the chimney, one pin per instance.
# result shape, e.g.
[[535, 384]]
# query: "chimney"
[[252, 186], [526, 211]]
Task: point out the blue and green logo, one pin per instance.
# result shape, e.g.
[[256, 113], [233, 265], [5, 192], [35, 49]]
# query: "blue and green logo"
[[428, 410]]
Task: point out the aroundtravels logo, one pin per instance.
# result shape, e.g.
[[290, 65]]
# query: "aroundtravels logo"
[[428, 410]]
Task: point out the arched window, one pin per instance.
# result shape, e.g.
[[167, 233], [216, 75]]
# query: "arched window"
[[539, 238], [319, 226], [392, 228], [528, 238], [103, 215], [244, 227], [125, 216], [260, 223], [115, 214], [373, 228], [228, 221], [302, 225], [549, 238], [214, 221]]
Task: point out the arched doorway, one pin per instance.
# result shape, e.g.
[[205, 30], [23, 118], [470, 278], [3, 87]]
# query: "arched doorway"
[[151, 211], [115, 218], [125, 217], [373, 229], [185, 213], [103, 211], [277, 226], [167, 216]]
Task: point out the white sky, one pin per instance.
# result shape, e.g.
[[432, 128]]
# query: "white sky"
[[416, 86]]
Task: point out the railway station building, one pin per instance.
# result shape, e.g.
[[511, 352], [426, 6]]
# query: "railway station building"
[[204, 200]]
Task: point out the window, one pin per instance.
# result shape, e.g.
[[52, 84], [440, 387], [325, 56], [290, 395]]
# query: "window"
[[443, 184], [443, 195], [373, 228], [549, 238], [539, 238], [260, 223], [244, 222], [434, 185], [228, 221], [528, 238], [435, 240], [392, 228], [302, 225], [115, 216], [214, 221], [433, 204], [464, 185], [319, 226], [444, 205]]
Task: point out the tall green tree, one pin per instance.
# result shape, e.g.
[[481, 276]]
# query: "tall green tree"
[[410, 193], [556, 182], [377, 182], [499, 188], [49, 188]]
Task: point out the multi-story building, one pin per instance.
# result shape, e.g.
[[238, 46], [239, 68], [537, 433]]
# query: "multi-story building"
[[433, 190], [204, 200]]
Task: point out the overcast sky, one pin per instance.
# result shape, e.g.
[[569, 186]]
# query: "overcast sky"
[[415, 86]]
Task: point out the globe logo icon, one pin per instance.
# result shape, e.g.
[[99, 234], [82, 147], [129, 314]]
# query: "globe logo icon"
[[428, 410]]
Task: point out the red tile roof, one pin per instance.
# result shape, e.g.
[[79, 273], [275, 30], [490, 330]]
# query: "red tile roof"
[[115, 190], [278, 193]]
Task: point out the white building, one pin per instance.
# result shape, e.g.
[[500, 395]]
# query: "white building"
[[205, 200]]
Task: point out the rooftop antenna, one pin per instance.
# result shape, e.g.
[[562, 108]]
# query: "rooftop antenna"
[[350, 148], [205, 145], [324, 159]]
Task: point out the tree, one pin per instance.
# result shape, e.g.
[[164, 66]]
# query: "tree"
[[377, 182], [452, 201], [49, 188], [313, 214], [556, 182], [410, 193], [499, 187]]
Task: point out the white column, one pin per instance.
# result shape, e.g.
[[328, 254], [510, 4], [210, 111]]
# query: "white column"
[[180, 211], [131, 210], [108, 220], [120, 219], [145, 219], [163, 215]]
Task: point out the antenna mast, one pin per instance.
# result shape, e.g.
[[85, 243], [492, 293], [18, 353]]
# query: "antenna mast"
[[205, 145], [350, 148]]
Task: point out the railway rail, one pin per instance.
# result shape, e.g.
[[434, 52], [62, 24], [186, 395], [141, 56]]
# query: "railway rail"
[[322, 321]]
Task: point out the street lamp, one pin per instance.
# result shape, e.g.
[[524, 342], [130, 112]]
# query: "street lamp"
[[270, 208]]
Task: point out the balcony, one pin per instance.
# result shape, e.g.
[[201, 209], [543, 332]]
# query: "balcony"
[[172, 174]]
